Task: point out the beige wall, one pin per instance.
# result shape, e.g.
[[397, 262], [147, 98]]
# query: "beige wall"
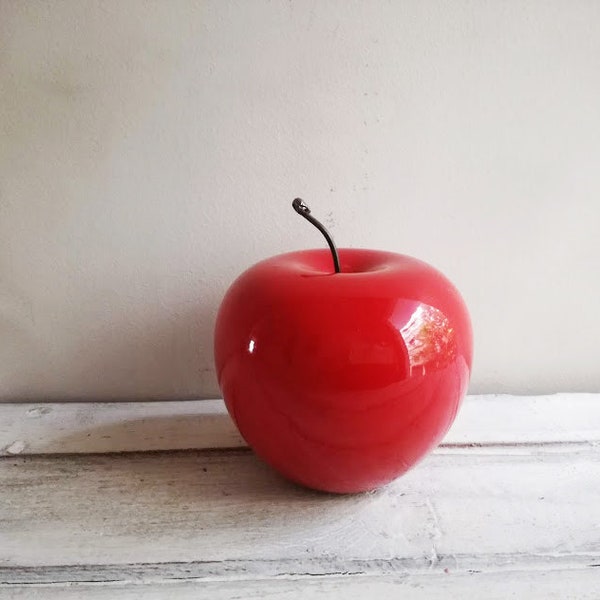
[[149, 152]]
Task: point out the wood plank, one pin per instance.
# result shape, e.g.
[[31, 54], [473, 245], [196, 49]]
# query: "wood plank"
[[64, 428], [222, 514], [153, 426], [532, 585]]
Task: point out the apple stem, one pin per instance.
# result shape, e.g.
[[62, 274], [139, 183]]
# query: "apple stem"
[[303, 210]]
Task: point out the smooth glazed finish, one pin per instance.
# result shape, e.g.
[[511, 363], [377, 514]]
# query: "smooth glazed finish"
[[343, 381]]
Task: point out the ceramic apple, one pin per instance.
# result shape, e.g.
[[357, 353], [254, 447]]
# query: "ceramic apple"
[[342, 369]]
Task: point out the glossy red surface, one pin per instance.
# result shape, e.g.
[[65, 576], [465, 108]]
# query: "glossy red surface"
[[343, 381]]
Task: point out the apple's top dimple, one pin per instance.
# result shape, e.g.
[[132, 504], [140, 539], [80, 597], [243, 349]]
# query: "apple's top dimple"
[[311, 263]]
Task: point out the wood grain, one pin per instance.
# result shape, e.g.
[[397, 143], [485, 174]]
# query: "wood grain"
[[57, 428], [218, 514], [569, 584], [510, 504]]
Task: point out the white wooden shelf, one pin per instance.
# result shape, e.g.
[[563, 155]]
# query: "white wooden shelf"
[[508, 506], [85, 427]]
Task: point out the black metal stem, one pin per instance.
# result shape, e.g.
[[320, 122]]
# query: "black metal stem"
[[303, 210]]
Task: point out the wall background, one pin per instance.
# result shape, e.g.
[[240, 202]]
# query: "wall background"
[[149, 152]]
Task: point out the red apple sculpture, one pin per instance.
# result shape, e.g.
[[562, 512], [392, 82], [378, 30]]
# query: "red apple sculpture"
[[343, 373]]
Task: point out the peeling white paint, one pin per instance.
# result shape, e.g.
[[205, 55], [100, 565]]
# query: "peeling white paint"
[[38, 411], [16, 447]]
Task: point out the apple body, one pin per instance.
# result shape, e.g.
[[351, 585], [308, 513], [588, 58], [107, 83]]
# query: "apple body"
[[342, 381]]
